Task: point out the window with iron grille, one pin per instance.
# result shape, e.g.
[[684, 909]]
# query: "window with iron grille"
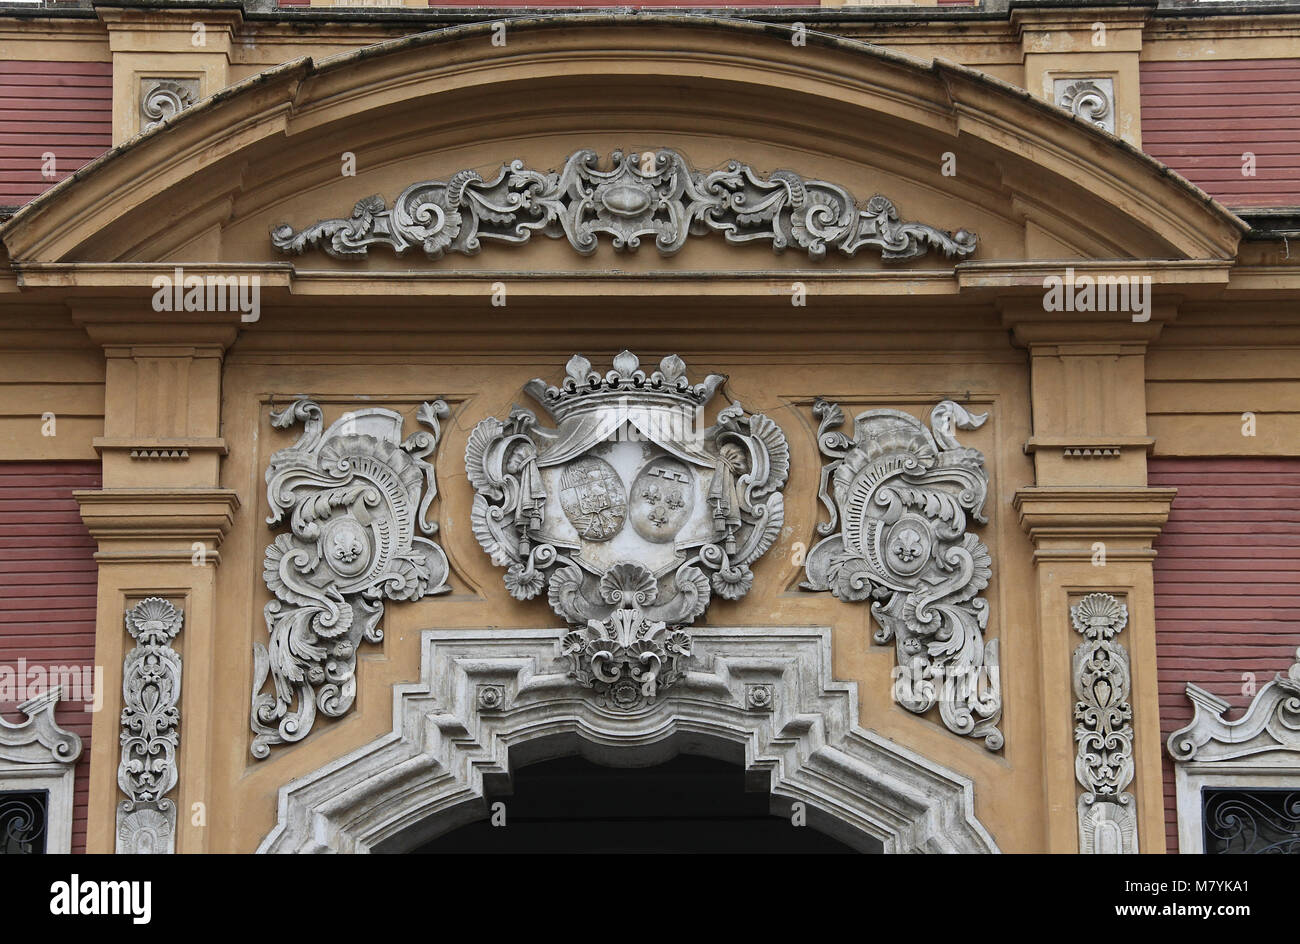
[[1251, 822], [24, 815]]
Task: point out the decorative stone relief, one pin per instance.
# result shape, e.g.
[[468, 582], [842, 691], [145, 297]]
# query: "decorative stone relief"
[[36, 754], [1090, 99], [161, 99], [1104, 728], [806, 743], [628, 514], [354, 497], [39, 739], [898, 494], [626, 658], [151, 720], [655, 195], [1271, 723]]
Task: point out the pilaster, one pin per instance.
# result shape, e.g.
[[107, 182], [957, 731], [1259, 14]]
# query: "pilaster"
[[1100, 45], [159, 522], [1092, 519], [189, 50]]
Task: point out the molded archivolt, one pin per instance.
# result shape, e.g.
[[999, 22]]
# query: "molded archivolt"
[[490, 698], [208, 184]]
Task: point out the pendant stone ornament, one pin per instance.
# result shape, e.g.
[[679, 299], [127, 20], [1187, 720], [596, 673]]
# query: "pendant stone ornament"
[[151, 720], [656, 195], [1104, 728], [358, 498], [628, 514], [899, 495]]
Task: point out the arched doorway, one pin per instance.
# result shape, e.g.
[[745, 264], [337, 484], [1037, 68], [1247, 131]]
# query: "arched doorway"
[[490, 703], [688, 804]]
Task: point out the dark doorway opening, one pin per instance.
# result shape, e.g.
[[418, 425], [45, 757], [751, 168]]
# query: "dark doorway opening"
[[689, 804]]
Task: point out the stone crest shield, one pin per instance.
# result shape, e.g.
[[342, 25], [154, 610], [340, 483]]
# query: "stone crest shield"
[[628, 502]]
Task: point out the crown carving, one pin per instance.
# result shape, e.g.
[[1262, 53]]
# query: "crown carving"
[[585, 388]]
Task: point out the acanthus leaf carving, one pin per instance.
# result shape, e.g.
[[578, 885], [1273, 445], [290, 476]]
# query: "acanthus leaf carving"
[[1103, 727], [898, 495], [357, 497], [151, 691], [655, 196]]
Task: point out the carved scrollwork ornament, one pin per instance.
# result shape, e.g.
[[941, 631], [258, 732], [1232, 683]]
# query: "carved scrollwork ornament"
[[654, 196], [898, 495], [357, 498], [1103, 727], [151, 691], [162, 99], [627, 505]]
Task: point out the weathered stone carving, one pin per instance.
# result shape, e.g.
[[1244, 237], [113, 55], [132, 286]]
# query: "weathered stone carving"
[[1091, 99], [1271, 723], [627, 505], [899, 495], [38, 739], [1104, 728], [353, 494], [626, 658], [656, 195], [807, 744], [38, 755], [151, 691], [161, 99]]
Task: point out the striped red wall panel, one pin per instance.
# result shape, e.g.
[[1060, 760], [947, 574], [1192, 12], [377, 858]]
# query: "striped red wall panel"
[[637, 4], [1227, 582], [47, 590], [1201, 117], [59, 108]]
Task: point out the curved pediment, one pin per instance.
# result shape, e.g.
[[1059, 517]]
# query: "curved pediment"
[[824, 127]]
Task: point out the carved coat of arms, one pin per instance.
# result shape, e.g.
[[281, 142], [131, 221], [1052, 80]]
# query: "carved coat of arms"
[[627, 503]]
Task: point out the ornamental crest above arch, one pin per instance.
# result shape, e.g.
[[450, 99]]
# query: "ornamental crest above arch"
[[656, 196], [628, 514]]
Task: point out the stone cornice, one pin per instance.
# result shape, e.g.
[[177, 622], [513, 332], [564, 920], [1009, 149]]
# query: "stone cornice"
[[143, 525], [1065, 521]]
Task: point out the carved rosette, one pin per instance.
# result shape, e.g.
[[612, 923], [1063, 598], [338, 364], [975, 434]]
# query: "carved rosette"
[[654, 196], [899, 494], [151, 691], [357, 498], [628, 504], [1104, 727]]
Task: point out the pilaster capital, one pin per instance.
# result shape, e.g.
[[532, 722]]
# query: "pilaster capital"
[[163, 525], [1065, 522]]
